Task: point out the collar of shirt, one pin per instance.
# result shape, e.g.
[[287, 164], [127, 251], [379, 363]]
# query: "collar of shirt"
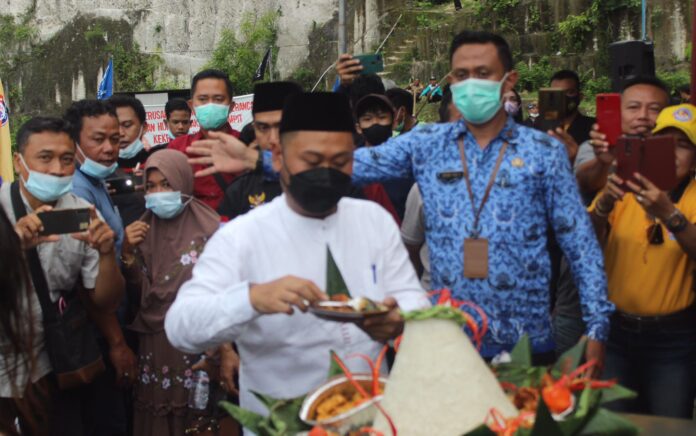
[[306, 226], [510, 133]]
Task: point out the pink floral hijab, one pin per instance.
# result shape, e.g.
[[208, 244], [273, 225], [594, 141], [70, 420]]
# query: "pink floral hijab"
[[172, 246]]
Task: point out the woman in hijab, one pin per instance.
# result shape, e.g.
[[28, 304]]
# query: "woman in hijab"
[[159, 253]]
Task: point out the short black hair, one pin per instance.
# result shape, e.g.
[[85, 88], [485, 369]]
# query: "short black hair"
[[248, 134], [176, 104], [86, 108], [443, 110], [401, 98], [566, 75], [373, 106], [646, 80], [40, 125], [123, 100], [481, 37], [363, 85], [213, 74]]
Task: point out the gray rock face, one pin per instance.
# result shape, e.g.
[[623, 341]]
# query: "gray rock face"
[[184, 32]]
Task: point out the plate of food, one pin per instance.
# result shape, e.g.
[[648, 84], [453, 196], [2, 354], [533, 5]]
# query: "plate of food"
[[338, 407], [343, 308]]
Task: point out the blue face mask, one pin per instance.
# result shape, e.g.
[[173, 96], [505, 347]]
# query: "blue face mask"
[[133, 149], [478, 100], [165, 205], [46, 187], [95, 169], [212, 115]]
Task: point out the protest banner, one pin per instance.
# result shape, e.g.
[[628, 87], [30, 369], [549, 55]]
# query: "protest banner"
[[157, 131]]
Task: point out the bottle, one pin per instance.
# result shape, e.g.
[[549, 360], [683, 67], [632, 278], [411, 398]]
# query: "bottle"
[[200, 391]]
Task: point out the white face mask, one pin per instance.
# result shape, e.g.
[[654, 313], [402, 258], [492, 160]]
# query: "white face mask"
[[134, 148]]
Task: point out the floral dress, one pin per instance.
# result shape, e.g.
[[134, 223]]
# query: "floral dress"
[[165, 376]]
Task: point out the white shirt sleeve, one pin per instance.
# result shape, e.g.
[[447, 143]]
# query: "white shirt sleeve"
[[585, 154], [399, 275], [213, 307], [413, 226]]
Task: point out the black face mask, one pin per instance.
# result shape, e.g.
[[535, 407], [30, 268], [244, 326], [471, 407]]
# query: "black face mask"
[[377, 134], [318, 190]]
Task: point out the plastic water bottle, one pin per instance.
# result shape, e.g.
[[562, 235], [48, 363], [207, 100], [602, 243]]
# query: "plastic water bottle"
[[200, 391]]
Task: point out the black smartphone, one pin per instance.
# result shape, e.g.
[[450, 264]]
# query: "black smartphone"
[[553, 107], [62, 221], [124, 185], [371, 63]]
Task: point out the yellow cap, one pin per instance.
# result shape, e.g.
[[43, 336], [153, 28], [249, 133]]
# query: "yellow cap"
[[682, 117]]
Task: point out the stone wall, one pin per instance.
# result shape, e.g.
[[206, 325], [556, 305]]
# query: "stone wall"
[[183, 33]]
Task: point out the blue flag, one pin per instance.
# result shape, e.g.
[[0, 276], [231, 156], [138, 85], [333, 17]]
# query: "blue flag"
[[106, 86]]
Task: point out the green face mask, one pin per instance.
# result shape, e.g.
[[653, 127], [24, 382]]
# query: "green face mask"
[[212, 115]]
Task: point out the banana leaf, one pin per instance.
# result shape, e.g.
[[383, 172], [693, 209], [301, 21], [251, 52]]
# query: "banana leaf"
[[616, 392], [544, 424], [335, 285], [283, 416], [522, 353], [334, 368], [608, 423], [571, 359]]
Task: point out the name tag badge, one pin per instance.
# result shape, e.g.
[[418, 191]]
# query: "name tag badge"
[[476, 258], [450, 176]]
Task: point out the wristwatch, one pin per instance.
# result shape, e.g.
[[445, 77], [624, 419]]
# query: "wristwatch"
[[676, 222]]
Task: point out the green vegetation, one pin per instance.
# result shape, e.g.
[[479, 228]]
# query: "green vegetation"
[[240, 57], [674, 79], [534, 77], [133, 70], [16, 36], [496, 14], [304, 76], [95, 34]]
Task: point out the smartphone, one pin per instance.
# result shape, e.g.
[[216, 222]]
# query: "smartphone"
[[371, 63], [62, 221], [652, 157], [124, 185], [553, 107], [609, 116]]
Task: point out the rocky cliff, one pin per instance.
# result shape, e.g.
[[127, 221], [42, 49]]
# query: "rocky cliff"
[[64, 57]]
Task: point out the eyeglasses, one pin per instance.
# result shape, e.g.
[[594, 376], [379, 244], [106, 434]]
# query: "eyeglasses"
[[655, 236]]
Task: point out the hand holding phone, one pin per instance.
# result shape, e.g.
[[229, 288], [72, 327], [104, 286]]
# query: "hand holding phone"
[[609, 116], [652, 157], [99, 235], [30, 229], [553, 108], [371, 63], [63, 221]]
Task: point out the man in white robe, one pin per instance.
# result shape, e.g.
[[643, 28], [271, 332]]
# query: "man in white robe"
[[257, 274]]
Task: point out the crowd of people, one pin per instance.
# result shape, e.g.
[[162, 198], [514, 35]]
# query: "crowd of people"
[[199, 277]]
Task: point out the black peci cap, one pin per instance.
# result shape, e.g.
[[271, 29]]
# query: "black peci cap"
[[271, 96], [317, 111]]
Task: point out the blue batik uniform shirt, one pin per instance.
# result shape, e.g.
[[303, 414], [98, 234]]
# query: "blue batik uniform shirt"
[[95, 192], [534, 189]]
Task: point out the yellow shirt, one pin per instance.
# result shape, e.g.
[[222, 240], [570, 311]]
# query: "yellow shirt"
[[648, 279]]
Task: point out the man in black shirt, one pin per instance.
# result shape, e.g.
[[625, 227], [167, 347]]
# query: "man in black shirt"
[[575, 128], [125, 185], [252, 189]]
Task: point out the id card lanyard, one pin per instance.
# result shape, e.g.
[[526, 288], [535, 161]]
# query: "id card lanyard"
[[475, 247]]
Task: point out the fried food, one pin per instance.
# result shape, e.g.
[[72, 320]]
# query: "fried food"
[[338, 403]]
